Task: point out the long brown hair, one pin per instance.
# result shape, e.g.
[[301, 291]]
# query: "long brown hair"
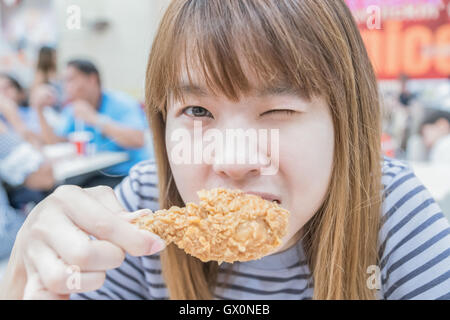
[[47, 59], [316, 46]]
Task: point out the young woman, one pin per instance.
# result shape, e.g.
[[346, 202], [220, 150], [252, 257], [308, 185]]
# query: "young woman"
[[361, 227]]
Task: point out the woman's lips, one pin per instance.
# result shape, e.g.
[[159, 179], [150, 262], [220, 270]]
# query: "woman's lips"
[[266, 196]]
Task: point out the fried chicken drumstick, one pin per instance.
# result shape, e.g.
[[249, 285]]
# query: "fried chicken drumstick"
[[227, 226]]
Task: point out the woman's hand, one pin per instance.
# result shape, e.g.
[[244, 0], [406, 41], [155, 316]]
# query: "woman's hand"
[[54, 254]]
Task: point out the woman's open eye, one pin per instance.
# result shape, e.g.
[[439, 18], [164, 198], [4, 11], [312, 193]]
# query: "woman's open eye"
[[197, 112]]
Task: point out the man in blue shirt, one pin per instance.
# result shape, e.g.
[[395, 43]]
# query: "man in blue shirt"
[[116, 121]]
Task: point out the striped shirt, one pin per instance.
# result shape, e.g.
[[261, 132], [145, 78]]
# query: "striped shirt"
[[414, 250]]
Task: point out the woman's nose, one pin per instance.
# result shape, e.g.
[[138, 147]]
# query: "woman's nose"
[[238, 164], [236, 172]]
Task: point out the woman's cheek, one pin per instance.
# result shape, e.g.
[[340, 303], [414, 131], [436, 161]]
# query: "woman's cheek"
[[306, 168]]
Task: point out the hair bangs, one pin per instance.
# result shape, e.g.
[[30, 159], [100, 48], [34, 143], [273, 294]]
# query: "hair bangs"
[[225, 49]]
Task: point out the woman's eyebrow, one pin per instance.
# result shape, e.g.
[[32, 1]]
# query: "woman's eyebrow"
[[264, 91], [193, 89], [276, 90]]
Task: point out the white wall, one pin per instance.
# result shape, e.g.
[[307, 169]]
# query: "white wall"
[[121, 51]]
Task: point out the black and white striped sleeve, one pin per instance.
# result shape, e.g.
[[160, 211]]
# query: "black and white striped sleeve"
[[414, 239]]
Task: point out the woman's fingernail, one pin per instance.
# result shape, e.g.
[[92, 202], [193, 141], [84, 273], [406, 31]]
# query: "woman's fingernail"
[[157, 246], [133, 216], [143, 212], [156, 243], [140, 213]]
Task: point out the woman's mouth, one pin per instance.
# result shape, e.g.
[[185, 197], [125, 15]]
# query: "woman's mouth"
[[266, 196]]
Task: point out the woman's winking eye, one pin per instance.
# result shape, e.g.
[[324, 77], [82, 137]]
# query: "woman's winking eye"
[[279, 111]]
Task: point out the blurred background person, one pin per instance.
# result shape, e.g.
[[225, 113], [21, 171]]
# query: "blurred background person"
[[19, 115], [115, 120], [11, 221], [435, 131], [410, 112], [46, 72], [13, 109], [405, 97], [29, 177]]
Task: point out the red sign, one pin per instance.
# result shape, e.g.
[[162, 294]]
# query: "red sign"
[[406, 36]]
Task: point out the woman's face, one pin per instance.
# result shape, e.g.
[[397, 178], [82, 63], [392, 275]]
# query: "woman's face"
[[301, 148]]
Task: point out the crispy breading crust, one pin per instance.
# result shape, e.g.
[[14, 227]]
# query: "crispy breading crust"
[[227, 225]]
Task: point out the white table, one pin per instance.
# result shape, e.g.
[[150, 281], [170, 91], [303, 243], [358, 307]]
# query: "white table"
[[80, 165], [436, 177], [67, 164]]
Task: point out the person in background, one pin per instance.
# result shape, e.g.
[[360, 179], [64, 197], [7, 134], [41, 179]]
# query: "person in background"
[[116, 121], [10, 222], [19, 114], [13, 110], [405, 97], [435, 132], [21, 165], [412, 111], [47, 72]]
